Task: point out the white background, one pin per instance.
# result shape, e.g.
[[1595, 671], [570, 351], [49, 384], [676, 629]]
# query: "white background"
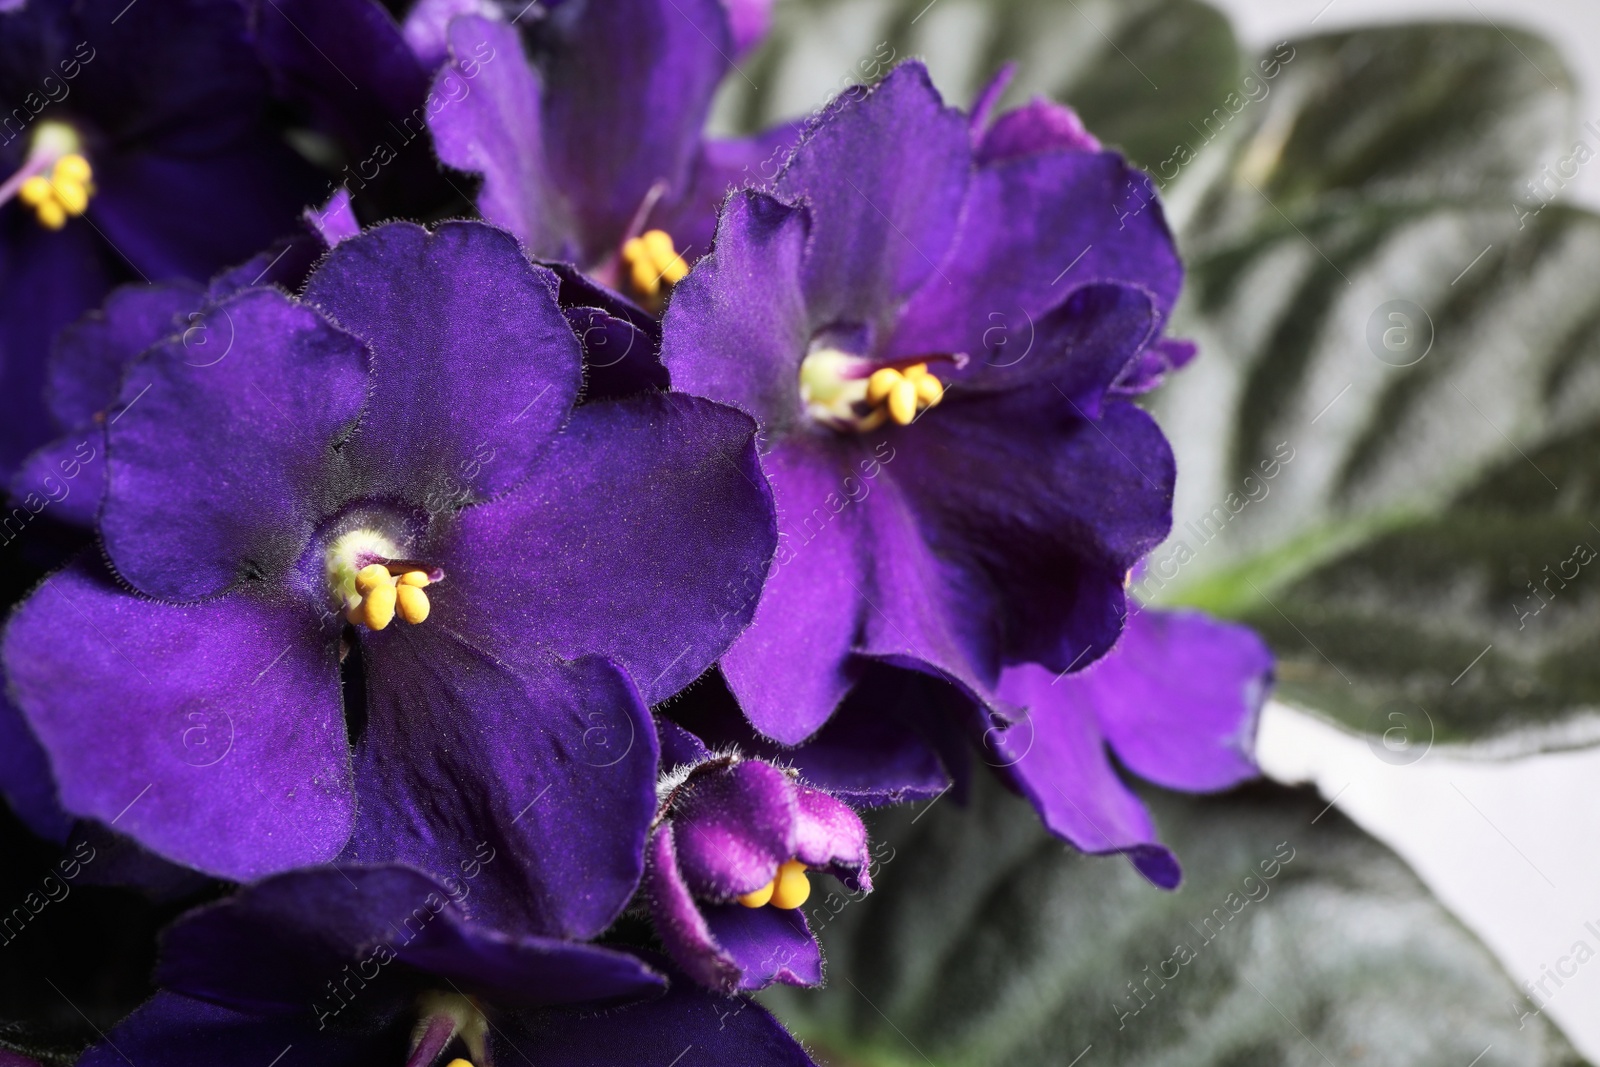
[[1512, 848]]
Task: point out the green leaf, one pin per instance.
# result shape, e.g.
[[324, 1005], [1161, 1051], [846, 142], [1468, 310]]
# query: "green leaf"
[[1303, 941], [1139, 71]]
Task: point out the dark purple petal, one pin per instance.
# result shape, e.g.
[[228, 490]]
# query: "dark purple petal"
[[1076, 350], [90, 356], [701, 1028], [351, 72], [722, 166], [1154, 364], [870, 752], [273, 946], [178, 1031], [1040, 125], [473, 364], [619, 358], [49, 280], [924, 610], [1178, 699], [219, 453], [212, 734], [767, 944], [737, 327], [1045, 508], [883, 174], [829, 836], [679, 747], [25, 780], [642, 535], [792, 668], [493, 126], [466, 754], [181, 215], [679, 919], [733, 826], [1057, 757], [612, 139], [1033, 229], [66, 476]]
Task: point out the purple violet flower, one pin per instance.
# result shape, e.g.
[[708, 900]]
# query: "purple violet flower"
[[397, 448], [728, 857], [948, 502], [612, 174], [380, 966], [113, 168]]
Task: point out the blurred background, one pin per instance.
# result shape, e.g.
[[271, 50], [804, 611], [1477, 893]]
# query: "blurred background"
[[1511, 847]]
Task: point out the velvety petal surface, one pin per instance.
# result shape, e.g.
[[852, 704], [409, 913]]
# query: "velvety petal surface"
[[1057, 757], [792, 668], [474, 365], [701, 1028], [611, 140], [642, 535], [221, 454], [1046, 509], [1040, 125], [25, 780], [212, 734], [90, 357], [883, 174], [870, 751], [738, 325], [1033, 228], [829, 835], [1178, 698], [733, 827], [471, 750], [272, 946], [177, 1031], [767, 944], [679, 918], [497, 130]]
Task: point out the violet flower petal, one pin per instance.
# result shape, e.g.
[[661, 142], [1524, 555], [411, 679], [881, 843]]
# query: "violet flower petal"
[[227, 748]]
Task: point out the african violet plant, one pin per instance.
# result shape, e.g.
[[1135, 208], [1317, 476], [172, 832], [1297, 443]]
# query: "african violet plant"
[[513, 527]]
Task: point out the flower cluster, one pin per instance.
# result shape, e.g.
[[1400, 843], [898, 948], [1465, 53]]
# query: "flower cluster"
[[515, 612]]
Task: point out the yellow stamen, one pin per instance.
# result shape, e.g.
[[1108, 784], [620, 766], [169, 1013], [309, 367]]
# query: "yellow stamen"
[[62, 194], [760, 896], [929, 390], [792, 888], [377, 607], [882, 383], [413, 603], [653, 266], [416, 578], [459, 1062], [903, 402], [34, 191], [371, 576]]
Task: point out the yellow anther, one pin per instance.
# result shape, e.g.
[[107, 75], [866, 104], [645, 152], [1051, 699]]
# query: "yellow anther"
[[72, 196], [459, 1062], [377, 607], [371, 577], [73, 168], [903, 402], [52, 216], [916, 371], [760, 896], [413, 603], [929, 391], [35, 191], [882, 383], [416, 578], [654, 265], [792, 887]]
